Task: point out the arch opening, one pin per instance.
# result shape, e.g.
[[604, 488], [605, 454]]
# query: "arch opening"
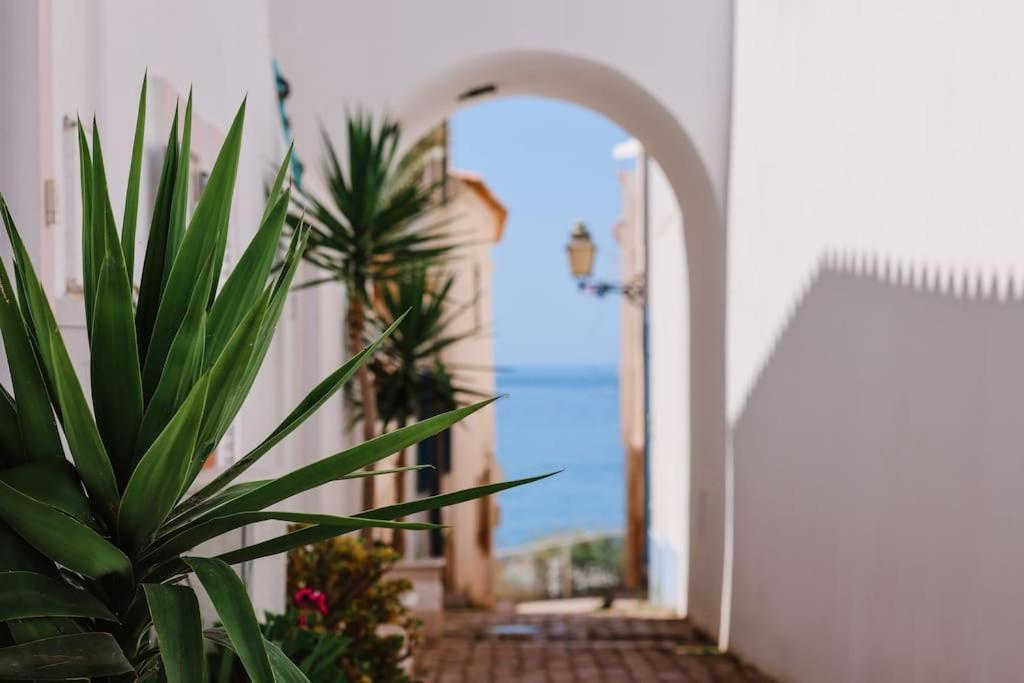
[[614, 95]]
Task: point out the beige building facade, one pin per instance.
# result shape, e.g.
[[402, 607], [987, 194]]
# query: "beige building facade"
[[478, 218], [630, 233]]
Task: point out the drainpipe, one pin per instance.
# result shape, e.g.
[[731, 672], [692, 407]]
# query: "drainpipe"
[[645, 195]]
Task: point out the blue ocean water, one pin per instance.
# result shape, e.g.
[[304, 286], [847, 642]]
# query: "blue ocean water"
[[560, 417]]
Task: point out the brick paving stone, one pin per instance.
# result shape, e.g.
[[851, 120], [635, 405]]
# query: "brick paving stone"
[[608, 646]]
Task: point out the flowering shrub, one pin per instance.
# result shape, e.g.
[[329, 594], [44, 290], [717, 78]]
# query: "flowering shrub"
[[339, 586], [335, 634]]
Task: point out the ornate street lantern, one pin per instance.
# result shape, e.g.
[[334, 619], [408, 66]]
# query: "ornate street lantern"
[[581, 251]]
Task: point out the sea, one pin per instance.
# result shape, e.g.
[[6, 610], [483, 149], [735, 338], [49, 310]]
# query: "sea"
[[560, 418]]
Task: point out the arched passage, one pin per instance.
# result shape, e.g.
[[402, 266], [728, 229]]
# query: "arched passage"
[[613, 94]]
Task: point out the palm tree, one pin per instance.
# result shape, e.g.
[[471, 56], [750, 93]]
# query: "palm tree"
[[408, 370], [370, 230]]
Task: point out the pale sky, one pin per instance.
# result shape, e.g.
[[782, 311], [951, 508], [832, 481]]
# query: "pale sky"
[[551, 164]]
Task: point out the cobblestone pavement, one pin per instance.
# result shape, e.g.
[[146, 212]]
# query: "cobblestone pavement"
[[483, 647]]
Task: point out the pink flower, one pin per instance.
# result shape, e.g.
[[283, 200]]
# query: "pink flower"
[[314, 598]]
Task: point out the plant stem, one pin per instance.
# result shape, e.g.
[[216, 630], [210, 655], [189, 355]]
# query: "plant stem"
[[356, 325], [399, 537]]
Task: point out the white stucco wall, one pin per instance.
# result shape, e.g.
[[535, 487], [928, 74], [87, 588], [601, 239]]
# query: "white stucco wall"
[[875, 433], [668, 370], [677, 50], [648, 203], [878, 473], [889, 128], [20, 116]]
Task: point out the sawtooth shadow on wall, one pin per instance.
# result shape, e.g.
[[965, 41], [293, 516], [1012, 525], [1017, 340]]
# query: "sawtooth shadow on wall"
[[879, 467]]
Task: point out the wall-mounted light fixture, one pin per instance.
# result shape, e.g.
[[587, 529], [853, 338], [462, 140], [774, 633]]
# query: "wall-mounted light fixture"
[[581, 250]]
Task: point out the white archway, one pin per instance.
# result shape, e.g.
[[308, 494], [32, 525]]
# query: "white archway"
[[611, 93]]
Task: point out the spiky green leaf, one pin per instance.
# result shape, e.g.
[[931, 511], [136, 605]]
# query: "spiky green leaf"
[[131, 200], [183, 368], [27, 594], [285, 670], [227, 592], [309, 405], [246, 281], [359, 474], [154, 275], [102, 220], [275, 189], [411, 507], [89, 268], [158, 480], [233, 374], [207, 230], [194, 534], [179, 628], [76, 656], [315, 534], [53, 482], [179, 198], [59, 536], [36, 425], [347, 461], [39, 628], [225, 378], [184, 515], [12, 450], [83, 437], [116, 379], [19, 556]]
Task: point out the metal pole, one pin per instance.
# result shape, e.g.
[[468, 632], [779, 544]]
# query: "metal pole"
[[645, 190]]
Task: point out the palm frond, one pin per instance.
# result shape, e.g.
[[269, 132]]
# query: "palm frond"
[[409, 372], [372, 224]]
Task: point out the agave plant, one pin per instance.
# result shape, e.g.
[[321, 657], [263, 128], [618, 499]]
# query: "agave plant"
[[370, 229], [98, 511]]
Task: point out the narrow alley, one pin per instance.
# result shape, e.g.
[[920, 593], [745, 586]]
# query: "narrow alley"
[[626, 643]]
